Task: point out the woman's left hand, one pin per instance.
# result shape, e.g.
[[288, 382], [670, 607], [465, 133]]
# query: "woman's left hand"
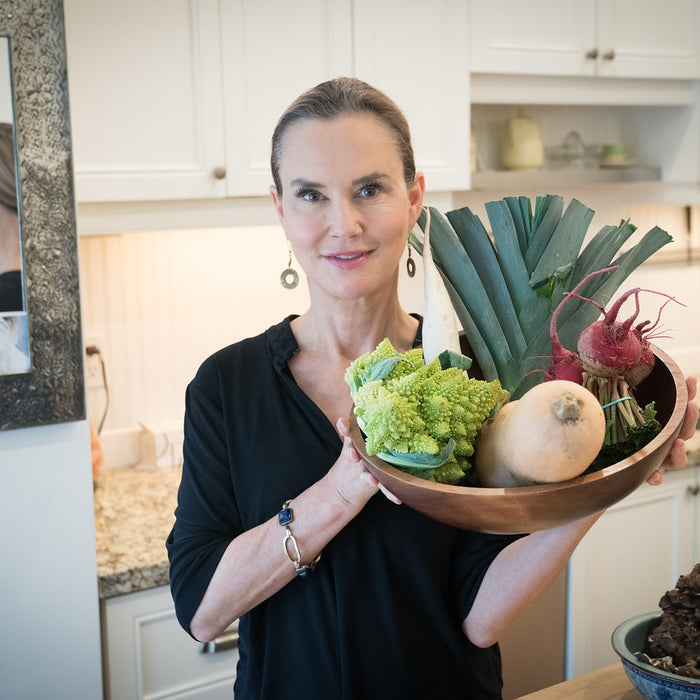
[[677, 458]]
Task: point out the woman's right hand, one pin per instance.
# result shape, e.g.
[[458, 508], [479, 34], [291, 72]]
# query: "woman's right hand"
[[350, 476]]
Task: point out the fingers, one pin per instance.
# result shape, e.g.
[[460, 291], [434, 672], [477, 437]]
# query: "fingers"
[[390, 495], [676, 459], [656, 479], [690, 421], [343, 428], [349, 450]]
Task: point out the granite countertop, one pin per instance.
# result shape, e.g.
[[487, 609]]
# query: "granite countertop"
[[134, 512]]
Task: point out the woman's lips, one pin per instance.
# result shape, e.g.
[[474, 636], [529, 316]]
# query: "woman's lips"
[[348, 260]]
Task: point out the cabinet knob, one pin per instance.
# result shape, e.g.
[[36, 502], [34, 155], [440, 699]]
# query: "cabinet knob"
[[609, 55], [592, 54], [219, 172], [694, 490]]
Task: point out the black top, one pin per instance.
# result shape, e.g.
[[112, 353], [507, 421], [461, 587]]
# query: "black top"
[[381, 615], [11, 291]]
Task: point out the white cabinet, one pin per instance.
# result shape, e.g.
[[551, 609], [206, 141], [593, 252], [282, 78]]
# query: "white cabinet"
[[146, 655], [145, 94], [628, 560], [614, 38], [178, 100], [271, 52], [421, 60]]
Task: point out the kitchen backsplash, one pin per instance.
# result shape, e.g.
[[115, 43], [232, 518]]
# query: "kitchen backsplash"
[[157, 303]]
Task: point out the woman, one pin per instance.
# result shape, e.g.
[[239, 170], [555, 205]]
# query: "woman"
[[397, 605]]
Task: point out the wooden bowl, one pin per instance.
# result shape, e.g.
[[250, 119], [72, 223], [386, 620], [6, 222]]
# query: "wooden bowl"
[[529, 508]]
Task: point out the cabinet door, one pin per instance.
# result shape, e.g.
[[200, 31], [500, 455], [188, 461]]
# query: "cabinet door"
[[627, 561], [649, 38], [147, 655], [540, 37], [420, 59], [145, 93], [272, 52]]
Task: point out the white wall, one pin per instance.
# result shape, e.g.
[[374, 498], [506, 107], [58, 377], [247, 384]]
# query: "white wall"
[[159, 302], [49, 636]]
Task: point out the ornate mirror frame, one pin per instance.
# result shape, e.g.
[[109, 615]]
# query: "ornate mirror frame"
[[53, 390]]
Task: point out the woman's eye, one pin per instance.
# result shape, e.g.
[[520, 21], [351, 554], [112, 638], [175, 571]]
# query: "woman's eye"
[[308, 194], [371, 189]]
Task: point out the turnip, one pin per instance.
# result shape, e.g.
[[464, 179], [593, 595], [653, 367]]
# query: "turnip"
[[440, 331], [552, 433]]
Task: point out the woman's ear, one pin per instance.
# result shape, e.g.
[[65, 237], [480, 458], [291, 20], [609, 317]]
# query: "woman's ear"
[[277, 201], [415, 197]]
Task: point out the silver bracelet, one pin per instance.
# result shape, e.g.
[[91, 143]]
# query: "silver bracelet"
[[284, 517]]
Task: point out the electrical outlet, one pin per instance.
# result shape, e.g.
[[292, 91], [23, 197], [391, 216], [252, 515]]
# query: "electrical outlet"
[[94, 377]]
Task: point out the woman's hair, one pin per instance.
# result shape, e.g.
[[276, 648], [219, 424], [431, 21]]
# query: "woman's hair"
[[8, 184], [340, 97]]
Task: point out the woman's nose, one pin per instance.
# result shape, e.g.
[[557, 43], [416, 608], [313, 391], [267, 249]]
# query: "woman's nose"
[[346, 219]]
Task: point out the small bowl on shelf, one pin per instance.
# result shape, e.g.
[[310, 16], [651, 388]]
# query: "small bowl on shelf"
[[526, 509], [629, 640]]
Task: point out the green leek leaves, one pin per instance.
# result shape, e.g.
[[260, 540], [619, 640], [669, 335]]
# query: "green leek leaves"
[[505, 287]]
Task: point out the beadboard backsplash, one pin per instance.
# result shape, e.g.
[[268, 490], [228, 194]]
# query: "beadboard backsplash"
[[157, 303]]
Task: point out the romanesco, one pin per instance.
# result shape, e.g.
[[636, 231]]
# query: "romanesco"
[[409, 408]]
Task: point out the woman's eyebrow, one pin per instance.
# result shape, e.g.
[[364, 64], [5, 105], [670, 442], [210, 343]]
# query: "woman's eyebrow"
[[300, 182], [376, 175]]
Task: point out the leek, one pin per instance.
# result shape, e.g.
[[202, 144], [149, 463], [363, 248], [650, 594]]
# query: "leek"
[[504, 289]]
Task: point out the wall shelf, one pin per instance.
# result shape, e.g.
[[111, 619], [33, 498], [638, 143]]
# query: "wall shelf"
[[560, 179]]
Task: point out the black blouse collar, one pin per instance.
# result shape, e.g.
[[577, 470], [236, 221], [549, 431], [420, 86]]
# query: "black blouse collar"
[[283, 344]]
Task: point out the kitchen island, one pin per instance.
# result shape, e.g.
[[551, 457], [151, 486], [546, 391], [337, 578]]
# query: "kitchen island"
[[609, 683]]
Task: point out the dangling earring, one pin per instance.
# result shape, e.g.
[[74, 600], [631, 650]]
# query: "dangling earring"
[[410, 263], [289, 277]]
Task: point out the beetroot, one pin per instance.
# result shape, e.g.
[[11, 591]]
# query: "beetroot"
[[612, 358], [608, 348], [565, 364]]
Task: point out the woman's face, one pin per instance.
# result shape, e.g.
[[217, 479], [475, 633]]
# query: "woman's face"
[[345, 206]]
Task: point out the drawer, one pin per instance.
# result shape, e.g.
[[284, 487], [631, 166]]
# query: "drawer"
[[147, 655]]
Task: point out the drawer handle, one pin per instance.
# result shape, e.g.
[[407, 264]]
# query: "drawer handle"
[[592, 54], [694, 490], [224, 642], [219, 172], [609, 55]]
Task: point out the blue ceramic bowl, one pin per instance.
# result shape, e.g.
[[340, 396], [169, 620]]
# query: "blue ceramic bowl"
[[629, 639]]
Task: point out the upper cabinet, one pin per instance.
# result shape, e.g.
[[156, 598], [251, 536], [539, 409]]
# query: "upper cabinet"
[[146, 103], [611, 38], [421, 60], [271, 52], [177, 99]]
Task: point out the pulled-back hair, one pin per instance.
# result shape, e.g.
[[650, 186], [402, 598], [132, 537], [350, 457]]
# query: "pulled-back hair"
[[340, 97]]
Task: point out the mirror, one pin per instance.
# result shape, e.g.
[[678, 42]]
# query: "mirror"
[[14, 328], [41, 364]]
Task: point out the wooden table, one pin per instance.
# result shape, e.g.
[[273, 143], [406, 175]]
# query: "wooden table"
[[610, 683]]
